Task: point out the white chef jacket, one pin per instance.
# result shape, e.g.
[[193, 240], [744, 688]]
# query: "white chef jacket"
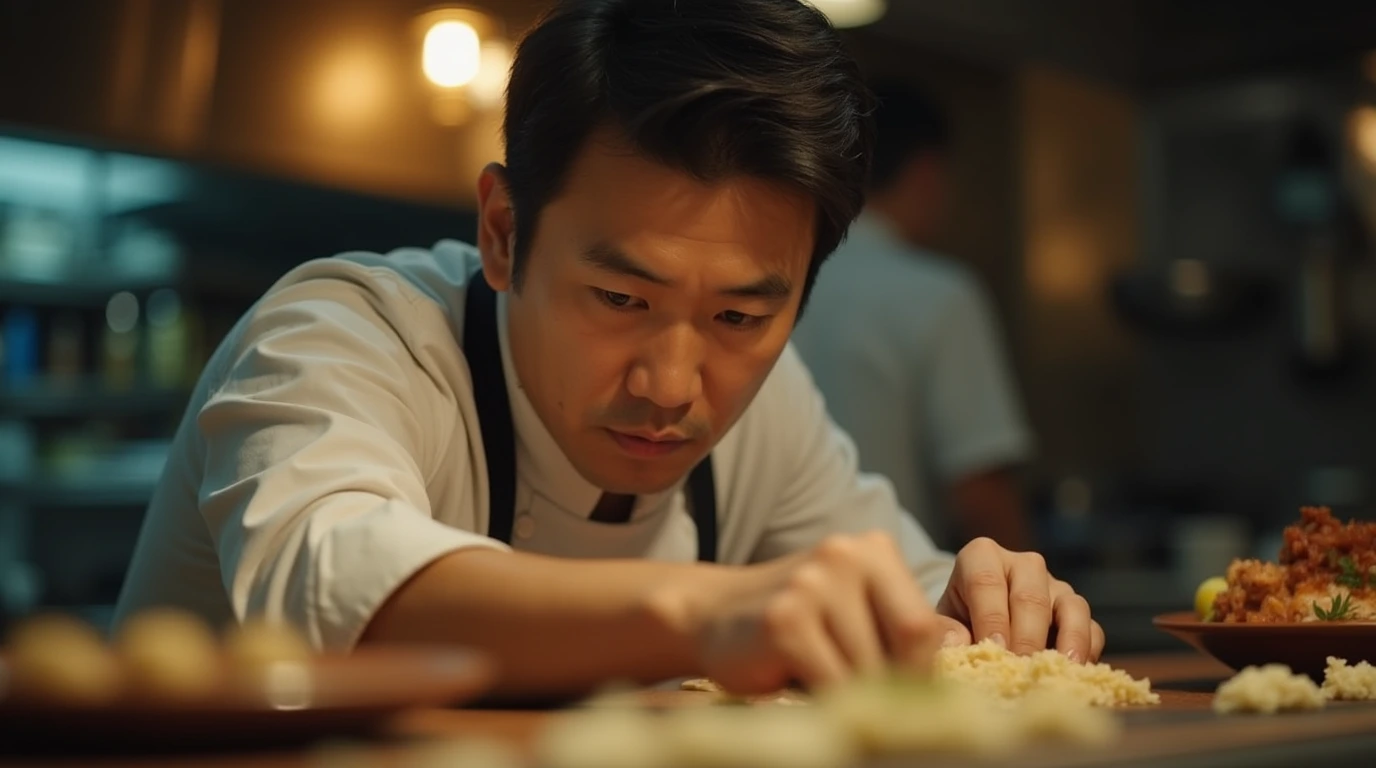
[[331, 450], [903, 346]]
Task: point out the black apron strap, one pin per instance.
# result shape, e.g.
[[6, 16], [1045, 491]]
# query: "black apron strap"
[[702, 496], [484, 353], [482, 348]]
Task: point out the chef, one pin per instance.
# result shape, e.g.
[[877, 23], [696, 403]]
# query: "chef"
[[584, 445]]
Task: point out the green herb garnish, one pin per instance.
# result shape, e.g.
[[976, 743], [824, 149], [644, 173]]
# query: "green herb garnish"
[[1338, 609], [1350, 576]]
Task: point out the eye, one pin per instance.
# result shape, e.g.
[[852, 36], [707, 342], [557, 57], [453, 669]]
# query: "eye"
[[740, 321], [618, 301]]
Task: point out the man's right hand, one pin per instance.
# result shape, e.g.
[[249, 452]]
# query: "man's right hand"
[[848, 606]]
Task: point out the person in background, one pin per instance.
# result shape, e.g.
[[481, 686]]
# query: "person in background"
[[902, 343]]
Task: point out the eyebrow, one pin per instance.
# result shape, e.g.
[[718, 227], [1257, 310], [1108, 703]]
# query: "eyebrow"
[[610, 259], [613, 260]]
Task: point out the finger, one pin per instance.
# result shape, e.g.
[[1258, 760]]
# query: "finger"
[[838, 584], [981, 578], [1096, 642], [911, 632], [795, 629], [853, 629], [1074, 627], [1029, 603]]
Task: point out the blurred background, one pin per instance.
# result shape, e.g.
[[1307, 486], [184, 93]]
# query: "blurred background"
[[1170, 203]]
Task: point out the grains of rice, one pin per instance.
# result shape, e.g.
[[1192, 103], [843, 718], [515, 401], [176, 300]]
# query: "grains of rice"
[[1349, 683], [1266, 690], [1004, 674]]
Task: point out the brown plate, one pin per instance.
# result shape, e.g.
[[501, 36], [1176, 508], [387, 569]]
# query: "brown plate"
[[328, 696], [1303, 646]]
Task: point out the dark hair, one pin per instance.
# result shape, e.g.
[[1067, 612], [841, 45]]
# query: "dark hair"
[[716, 88], [907, 123]]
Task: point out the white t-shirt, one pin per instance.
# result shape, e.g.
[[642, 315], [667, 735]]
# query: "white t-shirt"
[[903, 346], [331, 450]]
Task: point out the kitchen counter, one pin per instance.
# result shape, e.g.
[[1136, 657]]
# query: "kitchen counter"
[[1183, 732]]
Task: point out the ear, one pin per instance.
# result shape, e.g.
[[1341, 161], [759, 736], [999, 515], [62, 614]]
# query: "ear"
[[496, 227]]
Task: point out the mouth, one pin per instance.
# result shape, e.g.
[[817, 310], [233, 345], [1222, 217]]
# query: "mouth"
[[644, 445]]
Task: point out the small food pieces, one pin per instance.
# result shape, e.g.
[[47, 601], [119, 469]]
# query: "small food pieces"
[[168, 653], [1004, 674], [786, 697], [340, 754], [696, 737], [62, 660], [160, 653], [603, 737], [1205, 596], [1349, 683], [1267, 690], [463, 753], [890, 714], [703, 685], [895, 715], [765, 737], [259, 643], [1062, 716]]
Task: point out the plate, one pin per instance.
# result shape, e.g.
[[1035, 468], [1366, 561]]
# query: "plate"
[[330, 695], [1303, 646]]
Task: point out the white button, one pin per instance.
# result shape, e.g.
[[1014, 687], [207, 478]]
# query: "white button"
[[525, 527]]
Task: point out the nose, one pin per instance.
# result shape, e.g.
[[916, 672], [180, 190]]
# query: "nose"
[[668, 372]]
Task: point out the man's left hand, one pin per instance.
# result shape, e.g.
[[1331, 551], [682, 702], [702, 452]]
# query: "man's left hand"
[[1011, 598]]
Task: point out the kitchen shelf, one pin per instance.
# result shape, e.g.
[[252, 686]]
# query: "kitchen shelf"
[[48, 399], [67, 494], [74, 292]]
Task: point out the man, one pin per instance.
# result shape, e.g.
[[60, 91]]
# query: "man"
[[903, 346], [385, 450]]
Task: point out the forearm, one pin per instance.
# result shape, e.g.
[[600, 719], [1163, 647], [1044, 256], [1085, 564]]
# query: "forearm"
[[555, 627]]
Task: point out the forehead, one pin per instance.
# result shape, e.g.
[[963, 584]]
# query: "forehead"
[[614, 195]]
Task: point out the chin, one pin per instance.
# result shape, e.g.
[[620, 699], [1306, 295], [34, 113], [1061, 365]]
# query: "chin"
[[641, 483], [636, 478]]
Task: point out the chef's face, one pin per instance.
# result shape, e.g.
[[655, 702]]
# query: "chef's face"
[[650, 309]]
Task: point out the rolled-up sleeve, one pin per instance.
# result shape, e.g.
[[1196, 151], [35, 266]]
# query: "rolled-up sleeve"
[[316, 441], [824, 491]]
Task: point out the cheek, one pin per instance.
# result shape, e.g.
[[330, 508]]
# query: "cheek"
[[733, 381], [589, 373]]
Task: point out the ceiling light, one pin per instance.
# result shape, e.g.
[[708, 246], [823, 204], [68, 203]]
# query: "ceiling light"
[[851, 13], [451, 53]]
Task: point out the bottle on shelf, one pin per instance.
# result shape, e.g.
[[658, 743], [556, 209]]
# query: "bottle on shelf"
[[120, 344]]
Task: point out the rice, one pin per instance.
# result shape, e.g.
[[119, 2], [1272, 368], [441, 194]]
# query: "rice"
[[1266, 690], [1349, 683], [1006, 675]]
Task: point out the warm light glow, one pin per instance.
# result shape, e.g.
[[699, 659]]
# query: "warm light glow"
[[1062, 264], [851, 13], [451, 55], [352, 86], [1362, 128], [488, 89]]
